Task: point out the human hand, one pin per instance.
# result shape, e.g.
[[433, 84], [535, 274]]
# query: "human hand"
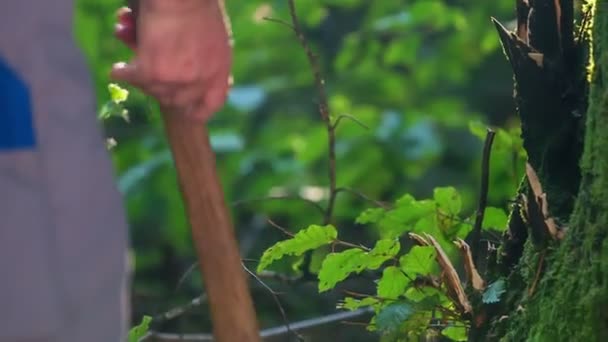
[[182, 54]]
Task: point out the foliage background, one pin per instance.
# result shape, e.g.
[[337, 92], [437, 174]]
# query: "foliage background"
[[416, 73]]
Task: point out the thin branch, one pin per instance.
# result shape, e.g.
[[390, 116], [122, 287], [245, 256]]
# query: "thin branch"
[[279, 21], [283, 230], [180, 310], [347, 116], [279, 277], [266, 333], [351, 245], [363, 197], [483, 195], [279, 198], [276, 299], [323, 109]]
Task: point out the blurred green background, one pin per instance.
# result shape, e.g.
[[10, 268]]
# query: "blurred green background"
[[423, 77]]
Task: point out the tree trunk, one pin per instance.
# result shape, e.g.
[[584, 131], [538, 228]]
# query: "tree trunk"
[[557, 289]]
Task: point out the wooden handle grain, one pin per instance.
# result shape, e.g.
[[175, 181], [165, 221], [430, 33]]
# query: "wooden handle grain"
[[232, 310]]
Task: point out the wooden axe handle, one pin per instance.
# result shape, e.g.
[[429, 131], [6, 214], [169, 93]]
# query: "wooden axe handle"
[[232, 310]]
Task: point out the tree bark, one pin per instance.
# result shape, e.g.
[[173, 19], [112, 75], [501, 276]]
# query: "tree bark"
[[557, 289]]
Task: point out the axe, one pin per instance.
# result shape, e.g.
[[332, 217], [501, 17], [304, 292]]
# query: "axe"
[[232, 312]]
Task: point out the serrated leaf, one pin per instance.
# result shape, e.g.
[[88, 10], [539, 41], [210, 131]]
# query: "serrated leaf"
[[352, 304], [407, 212], [117, 93], [372, 215], [455, 333], [337, 266], [495, 218], [448, 200], [418, 261], [393, 283], [478, 129], [392, 316], [419, 294], [307, 239], [494, 291], [384, 250], [139, 331]]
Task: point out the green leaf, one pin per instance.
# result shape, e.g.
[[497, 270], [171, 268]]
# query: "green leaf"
[[407, 212], [117, 94], [307, 239], [393, 283], [495, 218], [139, 331], [392, 316], [350, 303], [418, 261], [337, 266], [384, 250], [372, 215], [494, 291], [448, 200], [478, 129], [455, 333]]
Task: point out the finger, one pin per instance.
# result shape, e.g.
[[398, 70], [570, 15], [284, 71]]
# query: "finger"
[[125, 29], [126, 34], [127, 72], [216, 96], [187, 94], [130, 73]]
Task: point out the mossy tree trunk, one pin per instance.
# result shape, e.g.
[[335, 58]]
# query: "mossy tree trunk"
[[557, 288]]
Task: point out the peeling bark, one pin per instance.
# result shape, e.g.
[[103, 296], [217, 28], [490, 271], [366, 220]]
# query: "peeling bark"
[[557, 288]]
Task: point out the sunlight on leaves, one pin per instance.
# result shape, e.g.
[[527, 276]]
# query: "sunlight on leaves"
[[139, 331], [117, 94], [393, 283], [495, 218], [455, 333], [352, 304], [418, 261], [307, 239], [337, 266]]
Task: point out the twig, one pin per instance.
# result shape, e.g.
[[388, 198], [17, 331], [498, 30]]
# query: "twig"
[[541, 260], [180, 310], [284, 230], [279, 21], [347, 116], [279, 276], [483, 195], [351, 245], [279, 198], [267, 333], [276, 299], [323, 108], [363, 196]]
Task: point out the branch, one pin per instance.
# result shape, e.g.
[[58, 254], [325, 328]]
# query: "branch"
[[483, 195], [347, 116], [276, 299], [313, 60], [363, 196], [266, 333], [180, 310], [278, 198]]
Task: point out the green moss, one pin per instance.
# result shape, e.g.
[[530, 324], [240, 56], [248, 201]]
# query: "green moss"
[[571, 303]]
